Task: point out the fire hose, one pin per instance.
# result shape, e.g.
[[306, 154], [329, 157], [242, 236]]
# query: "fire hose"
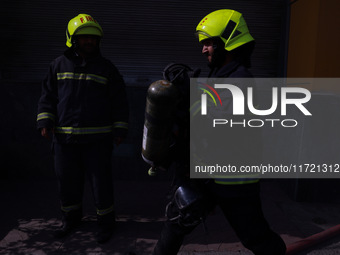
[[313, 240]]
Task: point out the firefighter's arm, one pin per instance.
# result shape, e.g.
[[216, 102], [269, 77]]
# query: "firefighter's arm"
[[120, 107], [47, 103]]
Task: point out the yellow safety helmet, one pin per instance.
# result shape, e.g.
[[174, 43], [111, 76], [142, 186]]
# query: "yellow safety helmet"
[[228, 25], [83, 24]]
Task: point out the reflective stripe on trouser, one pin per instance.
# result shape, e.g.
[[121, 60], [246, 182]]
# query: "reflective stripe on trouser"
[[71, 208], [102, 212], [73, 161]]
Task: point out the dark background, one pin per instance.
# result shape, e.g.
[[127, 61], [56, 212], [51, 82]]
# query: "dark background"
[[140, 38]]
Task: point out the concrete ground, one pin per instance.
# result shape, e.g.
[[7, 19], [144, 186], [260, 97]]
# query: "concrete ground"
[[30, 213]]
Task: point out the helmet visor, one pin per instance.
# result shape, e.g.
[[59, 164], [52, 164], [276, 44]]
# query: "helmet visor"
[[89, 31], [202, 36]]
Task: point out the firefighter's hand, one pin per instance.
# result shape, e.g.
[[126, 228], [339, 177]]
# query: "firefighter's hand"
[[45, 132], [118, 140]]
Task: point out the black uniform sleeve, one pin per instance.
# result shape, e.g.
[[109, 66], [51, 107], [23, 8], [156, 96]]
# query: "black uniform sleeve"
[[120, 104], [47, 105]]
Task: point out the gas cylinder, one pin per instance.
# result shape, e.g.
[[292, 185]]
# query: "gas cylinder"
[[161, 105]]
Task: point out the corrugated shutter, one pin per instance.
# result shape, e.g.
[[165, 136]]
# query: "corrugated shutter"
[[141, 37]]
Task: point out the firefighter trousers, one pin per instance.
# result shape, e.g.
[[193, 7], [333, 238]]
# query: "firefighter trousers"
[[73, 162], [245, 216]]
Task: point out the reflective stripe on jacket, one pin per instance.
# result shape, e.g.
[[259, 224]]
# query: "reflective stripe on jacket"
[[236, 181]]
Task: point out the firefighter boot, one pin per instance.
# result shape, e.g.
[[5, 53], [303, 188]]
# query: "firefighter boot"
[[71, 220], [105, 224]]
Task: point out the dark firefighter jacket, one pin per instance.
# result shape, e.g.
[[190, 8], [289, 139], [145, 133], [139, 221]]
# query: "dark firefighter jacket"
[[83, 102], [243, 145], [231, 70]]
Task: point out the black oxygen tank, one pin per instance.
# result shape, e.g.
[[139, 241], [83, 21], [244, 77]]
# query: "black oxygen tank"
[[161, 105]]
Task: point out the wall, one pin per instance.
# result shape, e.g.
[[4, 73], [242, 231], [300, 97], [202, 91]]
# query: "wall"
[[314, 40]]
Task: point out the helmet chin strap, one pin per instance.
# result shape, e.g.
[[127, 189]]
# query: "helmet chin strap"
[[74, 44]]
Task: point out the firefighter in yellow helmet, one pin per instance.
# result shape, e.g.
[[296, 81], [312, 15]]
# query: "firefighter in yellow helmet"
[[227, 44], [225, 38], [84, 104]]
